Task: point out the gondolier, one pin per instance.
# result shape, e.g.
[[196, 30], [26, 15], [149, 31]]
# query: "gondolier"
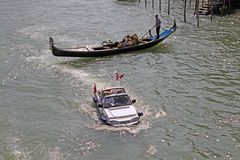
[[157, 25]]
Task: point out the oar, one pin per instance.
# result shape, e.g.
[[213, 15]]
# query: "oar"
[[148, 31]]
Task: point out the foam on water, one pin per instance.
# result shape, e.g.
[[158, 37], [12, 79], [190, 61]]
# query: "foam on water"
[[133, 130], [34, 31], [43, 59], [89, 79]]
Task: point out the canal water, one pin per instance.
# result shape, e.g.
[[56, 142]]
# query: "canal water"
[[188, 87]]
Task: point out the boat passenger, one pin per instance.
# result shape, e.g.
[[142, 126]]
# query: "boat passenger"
[[157, 25], [135, 39], [120, 45], [127, 41]]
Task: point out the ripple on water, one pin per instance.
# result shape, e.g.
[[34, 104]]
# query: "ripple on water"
[[194, 73], [55, 154], [14, 150]]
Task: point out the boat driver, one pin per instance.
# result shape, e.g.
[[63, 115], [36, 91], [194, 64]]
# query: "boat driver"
[[109, 100]]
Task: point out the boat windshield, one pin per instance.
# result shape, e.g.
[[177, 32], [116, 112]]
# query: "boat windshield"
[[113, 91], [115, 101]]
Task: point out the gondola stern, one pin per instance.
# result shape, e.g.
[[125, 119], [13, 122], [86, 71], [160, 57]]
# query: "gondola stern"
[[174, 25]]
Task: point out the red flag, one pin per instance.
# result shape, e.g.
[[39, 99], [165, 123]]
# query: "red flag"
[[94, 88], [118, 76]]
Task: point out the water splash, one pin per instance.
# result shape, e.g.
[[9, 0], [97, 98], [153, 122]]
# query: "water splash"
[[88, 80], [44, 60], [144, 124], [87, 108]]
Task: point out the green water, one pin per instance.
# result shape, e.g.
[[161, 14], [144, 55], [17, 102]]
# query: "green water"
[[188, 87]]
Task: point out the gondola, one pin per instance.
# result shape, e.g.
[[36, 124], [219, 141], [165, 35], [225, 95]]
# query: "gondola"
[[110, 48]]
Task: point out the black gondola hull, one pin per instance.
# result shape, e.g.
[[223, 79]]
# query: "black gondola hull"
[[110, 51]]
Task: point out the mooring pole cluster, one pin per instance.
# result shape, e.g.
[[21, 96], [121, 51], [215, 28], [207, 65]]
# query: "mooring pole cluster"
[[202, 7]]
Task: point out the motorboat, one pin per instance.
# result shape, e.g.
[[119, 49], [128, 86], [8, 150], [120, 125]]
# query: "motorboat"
[[115, 107]]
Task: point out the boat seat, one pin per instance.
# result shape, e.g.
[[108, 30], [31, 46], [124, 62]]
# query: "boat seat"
[[106, 47]]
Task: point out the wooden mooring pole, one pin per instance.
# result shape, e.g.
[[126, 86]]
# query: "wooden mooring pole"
[[145, 3], [197, 8], [185, 9], [222, 8], [211, 9], [208, 5], [229, 7], [152, 3], [160, 7], [168, 7], [224, 4]]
